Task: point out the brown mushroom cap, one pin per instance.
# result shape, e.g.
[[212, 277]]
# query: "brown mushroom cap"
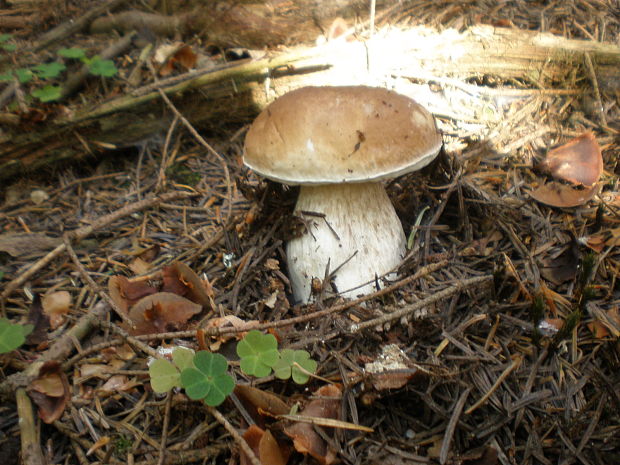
[[323, 135]]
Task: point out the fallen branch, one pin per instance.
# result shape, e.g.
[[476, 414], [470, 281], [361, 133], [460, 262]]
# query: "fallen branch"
[[406, 58]]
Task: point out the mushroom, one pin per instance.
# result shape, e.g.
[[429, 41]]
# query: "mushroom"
[[338, 144]]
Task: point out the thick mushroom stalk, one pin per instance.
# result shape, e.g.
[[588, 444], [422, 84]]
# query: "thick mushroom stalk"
[[351, 227]]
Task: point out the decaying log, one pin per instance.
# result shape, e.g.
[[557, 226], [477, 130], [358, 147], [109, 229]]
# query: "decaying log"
[[248, 23], [237, 92]]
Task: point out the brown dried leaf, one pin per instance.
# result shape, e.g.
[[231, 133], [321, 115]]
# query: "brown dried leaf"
[[180, 279], [102, 441], [561, 195], [118, 383], [264, 446], [19, 244], [579, 161], [56, 305], [50, 391], [39, 320], [258, 402], [305, 439], [161, 312], [184, 58], [126, 293]]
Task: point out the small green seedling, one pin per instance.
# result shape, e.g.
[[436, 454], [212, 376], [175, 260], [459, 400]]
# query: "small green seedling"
[[258, 353], [23, 76], [48, 93], [4, 38], [295, 363], [75, 53], [12, 335], [49, 70], [208, 380], [97, 66], [166, 375]]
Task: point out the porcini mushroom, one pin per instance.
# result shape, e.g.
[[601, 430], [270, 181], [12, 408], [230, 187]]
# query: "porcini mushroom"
[[338, 144]]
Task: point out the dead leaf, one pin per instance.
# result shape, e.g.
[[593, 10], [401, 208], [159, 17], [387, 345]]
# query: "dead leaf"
[[102, 441], [118, 383], [20, 244], [561, 195], [40, 321], [579, 161], [180, 279], [56, 305], [176, 57], [50, 391], [609, 238], [161, 312], [264, 446], [561, 268], [259, 403], [126, 293], [305, 439]]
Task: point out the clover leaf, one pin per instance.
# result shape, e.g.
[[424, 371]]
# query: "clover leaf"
[[49, 70], [12, 335], [183, 358], [24, 75], [164, 376], [100, 67], [48, 93], [208, 380], [295, 363], [258, 353], [73, 52]]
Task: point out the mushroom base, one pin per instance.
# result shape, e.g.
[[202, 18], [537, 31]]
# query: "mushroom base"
[[353, 228]]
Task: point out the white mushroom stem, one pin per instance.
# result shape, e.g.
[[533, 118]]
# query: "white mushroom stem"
[[360, 229]]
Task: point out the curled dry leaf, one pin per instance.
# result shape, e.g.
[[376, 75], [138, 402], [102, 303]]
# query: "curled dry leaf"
[[305, 439], [126, 293], [56, 305], [579, 161], [260, 403], [161, 312], [561, 195], [50, 391], [265, 447], [180, 279]]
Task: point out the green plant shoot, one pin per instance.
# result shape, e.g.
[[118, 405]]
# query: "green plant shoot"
[[258, 353]]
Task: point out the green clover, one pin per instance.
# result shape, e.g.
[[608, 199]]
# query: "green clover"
[[165, 375], [12, 335], [208, 381], [295, 363], [258, 353]]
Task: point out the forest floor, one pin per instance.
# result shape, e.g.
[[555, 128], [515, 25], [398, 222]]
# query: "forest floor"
[[499, 343]]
